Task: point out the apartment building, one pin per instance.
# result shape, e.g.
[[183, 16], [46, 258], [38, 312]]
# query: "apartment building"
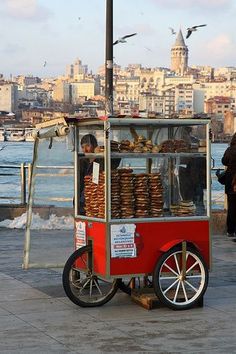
[[184, 96], [35, 116], [84, 88], [219, 105], [127, 89], [213, 89], [229, 123], [169, 102], [61, 91], [8, 97], [151, 103]]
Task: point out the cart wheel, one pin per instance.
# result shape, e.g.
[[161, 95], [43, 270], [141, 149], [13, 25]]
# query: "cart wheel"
[[175, 289], [82, 286]]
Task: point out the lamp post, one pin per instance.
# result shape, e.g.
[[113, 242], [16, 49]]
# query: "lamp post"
[[109, 57]]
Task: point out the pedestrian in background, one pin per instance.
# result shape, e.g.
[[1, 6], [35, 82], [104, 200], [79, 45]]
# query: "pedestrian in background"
[[229, 160]]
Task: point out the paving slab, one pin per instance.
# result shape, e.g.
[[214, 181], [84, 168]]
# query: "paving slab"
[[37, 317]]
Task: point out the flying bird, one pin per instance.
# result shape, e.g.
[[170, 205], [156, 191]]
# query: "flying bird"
[[2, 147], [172, 30], [192, 29], [45, 63], [123, 39]]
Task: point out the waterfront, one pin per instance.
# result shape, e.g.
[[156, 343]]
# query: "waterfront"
[[15, 153]]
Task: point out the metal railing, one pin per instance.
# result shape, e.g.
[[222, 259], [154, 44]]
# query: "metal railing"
[[24, 170]]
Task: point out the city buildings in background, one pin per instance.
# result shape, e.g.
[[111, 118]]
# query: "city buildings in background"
[[176, 92]]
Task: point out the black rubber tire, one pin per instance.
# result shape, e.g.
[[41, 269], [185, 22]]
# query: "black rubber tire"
[[159, 290], [67, 284]]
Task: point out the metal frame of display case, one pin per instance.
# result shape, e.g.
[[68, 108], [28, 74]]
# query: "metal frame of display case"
[[107, 155], [113, 123]]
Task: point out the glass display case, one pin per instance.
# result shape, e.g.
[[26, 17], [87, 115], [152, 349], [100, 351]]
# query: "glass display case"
[[143, 169]]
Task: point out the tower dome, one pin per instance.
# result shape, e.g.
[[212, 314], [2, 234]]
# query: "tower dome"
[[179, 55]]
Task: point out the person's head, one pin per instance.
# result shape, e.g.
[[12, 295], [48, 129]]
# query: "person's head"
[[233, 140], [88, 143]]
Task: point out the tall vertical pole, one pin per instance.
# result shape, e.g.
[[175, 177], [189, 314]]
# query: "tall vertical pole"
[[109, 57]]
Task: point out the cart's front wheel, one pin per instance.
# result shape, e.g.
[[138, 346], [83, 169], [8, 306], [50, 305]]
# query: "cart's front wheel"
[[81, 285], [180, 278]]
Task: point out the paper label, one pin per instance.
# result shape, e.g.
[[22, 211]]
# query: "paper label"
[[80, 234], [122, 241], [95, 178]]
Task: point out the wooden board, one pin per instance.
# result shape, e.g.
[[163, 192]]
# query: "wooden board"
[[146, 298]]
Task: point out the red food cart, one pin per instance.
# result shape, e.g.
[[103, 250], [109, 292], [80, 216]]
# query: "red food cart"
[[142, 212]]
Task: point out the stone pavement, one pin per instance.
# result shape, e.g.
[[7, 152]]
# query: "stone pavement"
[[36, 316]]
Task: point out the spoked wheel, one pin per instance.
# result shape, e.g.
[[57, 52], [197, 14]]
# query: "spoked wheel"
[[81, 285], [180, 282]]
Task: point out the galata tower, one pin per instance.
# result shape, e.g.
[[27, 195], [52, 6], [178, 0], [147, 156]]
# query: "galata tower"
[[179, 55]]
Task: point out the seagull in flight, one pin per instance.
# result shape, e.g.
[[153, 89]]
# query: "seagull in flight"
[[45, 63], [172, 30], [192, 29], [123, 39], [2, 147]]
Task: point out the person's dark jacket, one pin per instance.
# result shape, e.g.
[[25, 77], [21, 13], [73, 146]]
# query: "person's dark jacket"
[[229, 160]]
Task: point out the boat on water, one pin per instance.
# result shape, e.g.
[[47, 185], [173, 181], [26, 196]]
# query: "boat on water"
[[28, 134], [15, 135]]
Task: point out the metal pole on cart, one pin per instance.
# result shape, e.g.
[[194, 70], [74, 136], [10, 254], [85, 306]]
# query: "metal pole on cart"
[[109, 58]]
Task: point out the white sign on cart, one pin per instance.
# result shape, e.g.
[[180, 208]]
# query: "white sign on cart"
[[122, 241], [80, 234]]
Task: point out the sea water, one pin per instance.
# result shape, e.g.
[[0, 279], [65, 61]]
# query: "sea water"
[[15, 153]]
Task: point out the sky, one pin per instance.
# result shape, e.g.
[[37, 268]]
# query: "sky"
[[60, 31]]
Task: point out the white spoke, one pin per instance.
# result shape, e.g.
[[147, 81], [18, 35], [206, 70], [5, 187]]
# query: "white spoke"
[[172, 270], [171, 286], [84, 285], [184, 290], [176, 293], [188, 270], [191, 286], [177, 264], [96, 283], [167, 278], [193, 276]]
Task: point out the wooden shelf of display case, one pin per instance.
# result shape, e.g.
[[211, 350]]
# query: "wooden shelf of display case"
[[156, 154], [90, 156]]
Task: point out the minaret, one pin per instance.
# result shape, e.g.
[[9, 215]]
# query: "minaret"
[[179, 55]]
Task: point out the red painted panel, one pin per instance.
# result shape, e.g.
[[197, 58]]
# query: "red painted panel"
[[96, 231], [153, 239], [156, 236]]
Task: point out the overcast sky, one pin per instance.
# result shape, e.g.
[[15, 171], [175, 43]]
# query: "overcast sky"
[[59, 31]]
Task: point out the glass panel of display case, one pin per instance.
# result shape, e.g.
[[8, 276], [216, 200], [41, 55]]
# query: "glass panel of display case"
[[91, 175], [184, 183], [154, 139], [158, 186]]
